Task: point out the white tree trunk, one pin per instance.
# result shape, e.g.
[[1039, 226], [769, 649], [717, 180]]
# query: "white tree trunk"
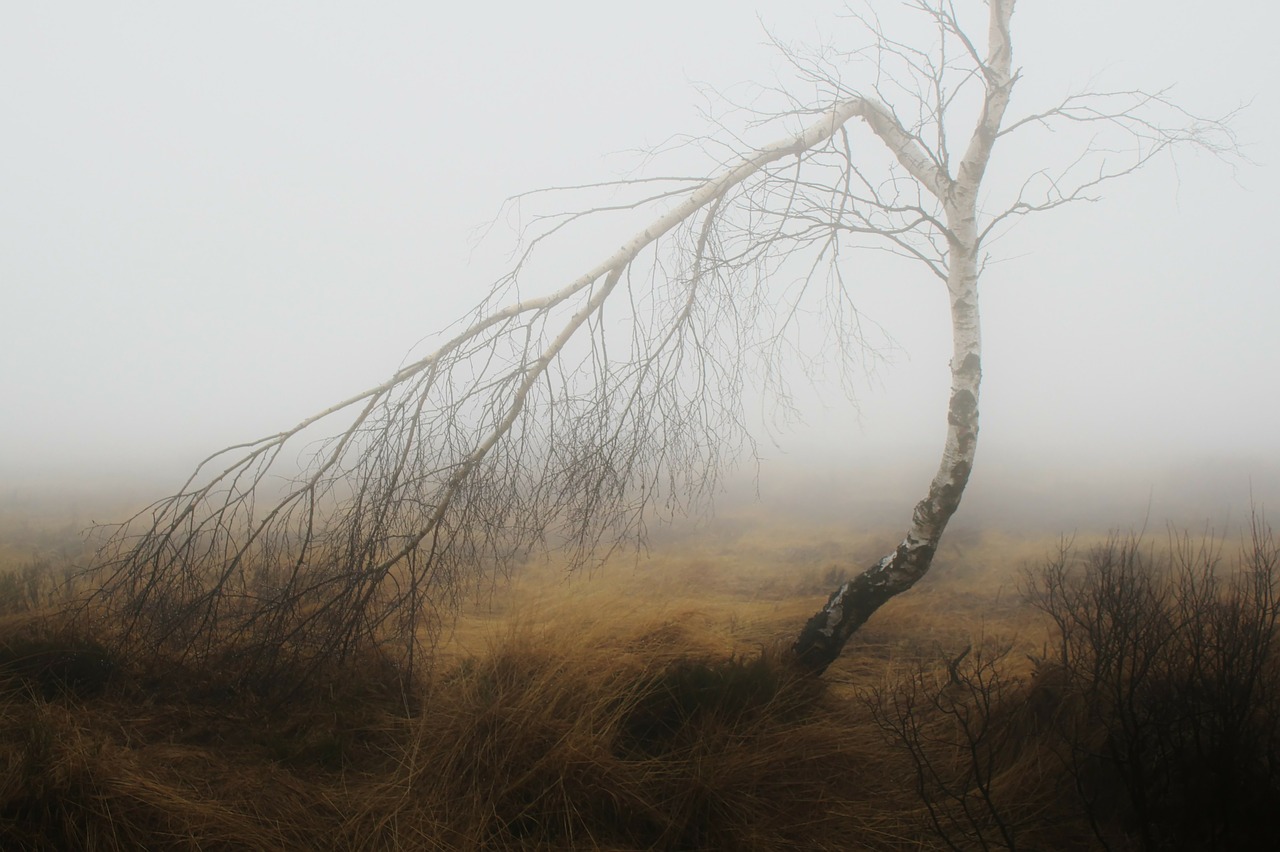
[[825, 634]]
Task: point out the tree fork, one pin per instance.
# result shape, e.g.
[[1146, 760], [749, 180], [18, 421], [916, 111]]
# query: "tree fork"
[[826, 632]]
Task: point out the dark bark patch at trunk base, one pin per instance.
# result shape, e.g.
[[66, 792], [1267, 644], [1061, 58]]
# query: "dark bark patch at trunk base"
[[848, 608]]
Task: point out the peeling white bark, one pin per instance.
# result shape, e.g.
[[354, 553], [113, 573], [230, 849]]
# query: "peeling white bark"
[[855, 600]]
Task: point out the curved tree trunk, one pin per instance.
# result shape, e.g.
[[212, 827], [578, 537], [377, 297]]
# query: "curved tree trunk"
[[825, 634]]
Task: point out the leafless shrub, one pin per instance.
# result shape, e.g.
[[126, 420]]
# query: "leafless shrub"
[[1152, 718], [1171, 659], [966, 724]]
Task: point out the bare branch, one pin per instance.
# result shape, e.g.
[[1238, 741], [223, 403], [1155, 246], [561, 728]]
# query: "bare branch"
[[573, 418]]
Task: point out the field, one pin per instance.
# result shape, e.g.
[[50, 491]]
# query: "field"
[[649, 706]]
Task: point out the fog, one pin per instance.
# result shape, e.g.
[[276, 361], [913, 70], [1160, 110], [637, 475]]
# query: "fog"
[[216, 219]]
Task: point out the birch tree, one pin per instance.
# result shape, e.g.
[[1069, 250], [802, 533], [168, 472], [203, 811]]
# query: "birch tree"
[[571, 418]]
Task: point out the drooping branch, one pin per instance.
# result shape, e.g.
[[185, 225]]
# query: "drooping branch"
[[524, 424], [570, 418]]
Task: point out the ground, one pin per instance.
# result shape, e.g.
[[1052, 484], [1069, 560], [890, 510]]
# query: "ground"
[[644, 705]]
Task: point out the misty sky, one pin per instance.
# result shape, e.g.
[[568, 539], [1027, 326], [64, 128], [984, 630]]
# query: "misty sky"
[[216, 218]]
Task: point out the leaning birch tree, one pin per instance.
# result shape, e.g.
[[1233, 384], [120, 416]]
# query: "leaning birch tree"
[[572, 417]]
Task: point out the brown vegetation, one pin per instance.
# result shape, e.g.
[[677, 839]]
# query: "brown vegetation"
[[647, 707]]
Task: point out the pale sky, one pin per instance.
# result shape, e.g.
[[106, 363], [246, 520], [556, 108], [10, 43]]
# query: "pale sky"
[[218, 218]]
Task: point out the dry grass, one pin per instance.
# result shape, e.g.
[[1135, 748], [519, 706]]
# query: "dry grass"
[[642, 708]]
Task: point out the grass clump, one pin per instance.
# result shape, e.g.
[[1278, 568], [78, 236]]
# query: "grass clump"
[[618, 733], [52, 664], [652, 710], [573, 739]]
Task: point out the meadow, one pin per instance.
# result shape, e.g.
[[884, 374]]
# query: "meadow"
[[1107, 691]]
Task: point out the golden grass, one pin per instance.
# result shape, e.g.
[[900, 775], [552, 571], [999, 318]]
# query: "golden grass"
[[643, 707]]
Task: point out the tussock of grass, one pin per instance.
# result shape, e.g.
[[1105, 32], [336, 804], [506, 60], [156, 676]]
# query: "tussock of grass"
[[578, 738], [614, 731], [649, 707], [51, 664]]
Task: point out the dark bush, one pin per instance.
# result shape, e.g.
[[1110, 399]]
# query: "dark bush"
[[691, 697], [1170, 661], [973, 732], [53, 666]]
